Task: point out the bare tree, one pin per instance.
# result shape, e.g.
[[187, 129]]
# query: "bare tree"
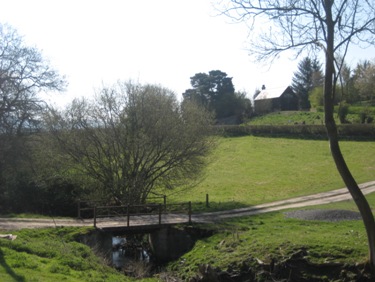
[[134, 140], [24, 73], [309, 26]]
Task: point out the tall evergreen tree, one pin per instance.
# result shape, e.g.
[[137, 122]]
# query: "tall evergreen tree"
[[215, 91], [307, 77]]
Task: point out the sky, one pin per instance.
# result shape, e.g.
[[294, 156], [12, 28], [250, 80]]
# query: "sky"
[[98, 42]]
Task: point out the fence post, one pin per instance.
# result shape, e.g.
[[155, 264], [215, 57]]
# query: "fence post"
[[128, 216], [79, 208], [207, 202], [159, 214], [190, 212], [95, 216], [165, 202]]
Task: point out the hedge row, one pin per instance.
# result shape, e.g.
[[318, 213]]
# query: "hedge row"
[[347, 130]]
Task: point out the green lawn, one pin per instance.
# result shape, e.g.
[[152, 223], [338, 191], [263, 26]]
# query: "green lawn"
[[245, 171]]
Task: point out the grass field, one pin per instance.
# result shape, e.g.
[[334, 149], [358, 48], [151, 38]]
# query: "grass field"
[[243, 171], [246, 171]]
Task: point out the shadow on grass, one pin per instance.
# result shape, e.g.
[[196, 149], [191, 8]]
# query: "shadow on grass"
[[9, 270], [217, 206]]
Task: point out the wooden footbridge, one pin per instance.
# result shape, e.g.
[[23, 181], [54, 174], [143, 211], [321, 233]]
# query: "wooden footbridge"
[[132, 217]]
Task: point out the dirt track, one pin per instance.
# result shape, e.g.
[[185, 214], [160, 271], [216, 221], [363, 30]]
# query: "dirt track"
[[299, 202]]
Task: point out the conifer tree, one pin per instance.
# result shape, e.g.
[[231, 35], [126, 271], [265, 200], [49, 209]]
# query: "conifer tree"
[[307, 77]]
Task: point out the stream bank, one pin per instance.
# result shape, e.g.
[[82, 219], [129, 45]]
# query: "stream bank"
[[142, 254]]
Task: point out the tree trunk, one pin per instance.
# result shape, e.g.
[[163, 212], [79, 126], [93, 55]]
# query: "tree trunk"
[[347, 177]]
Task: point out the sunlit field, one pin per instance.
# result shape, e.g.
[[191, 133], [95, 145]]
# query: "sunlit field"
[[245, 171]]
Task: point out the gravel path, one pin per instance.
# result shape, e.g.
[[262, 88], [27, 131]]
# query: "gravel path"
[[324, 215]]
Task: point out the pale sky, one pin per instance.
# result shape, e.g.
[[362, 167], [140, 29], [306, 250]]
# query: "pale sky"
[[165, 42]]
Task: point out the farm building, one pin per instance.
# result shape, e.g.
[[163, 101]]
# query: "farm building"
[[276, 99]]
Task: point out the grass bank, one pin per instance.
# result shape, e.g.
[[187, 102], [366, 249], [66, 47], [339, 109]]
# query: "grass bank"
[[53, 254], [242, 243]]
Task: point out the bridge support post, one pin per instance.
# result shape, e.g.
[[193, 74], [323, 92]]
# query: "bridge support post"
[[189, 212], [79, 209], [160, 209], [95, 216], [128, 215]]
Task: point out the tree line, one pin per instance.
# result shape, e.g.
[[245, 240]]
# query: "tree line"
[[355, 86]]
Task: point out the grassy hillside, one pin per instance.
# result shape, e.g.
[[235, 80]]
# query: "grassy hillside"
[[288, 118], [245, 171], [299, 117]]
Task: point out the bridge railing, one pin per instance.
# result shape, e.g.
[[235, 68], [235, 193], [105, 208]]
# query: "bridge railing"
[[85, 208], [129, 211]]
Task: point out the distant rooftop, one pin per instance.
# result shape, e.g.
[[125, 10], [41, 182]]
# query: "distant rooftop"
[[271, 93]]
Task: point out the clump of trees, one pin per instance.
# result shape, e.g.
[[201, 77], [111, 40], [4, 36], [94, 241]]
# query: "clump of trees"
[[215, 92], [308, 77], [354, 88], [133, 140]]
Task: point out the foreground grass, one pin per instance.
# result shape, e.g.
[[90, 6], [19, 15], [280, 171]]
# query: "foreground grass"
[[52, 254], [56, 254], [246, 171], [274, 237]]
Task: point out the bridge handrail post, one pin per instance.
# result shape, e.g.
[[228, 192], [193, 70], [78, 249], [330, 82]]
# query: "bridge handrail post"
[[128, 215], [95, 216], [79, 208], [189, 212], [160, 208]]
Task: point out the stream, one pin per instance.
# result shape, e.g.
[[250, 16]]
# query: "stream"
[[126, 250]]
